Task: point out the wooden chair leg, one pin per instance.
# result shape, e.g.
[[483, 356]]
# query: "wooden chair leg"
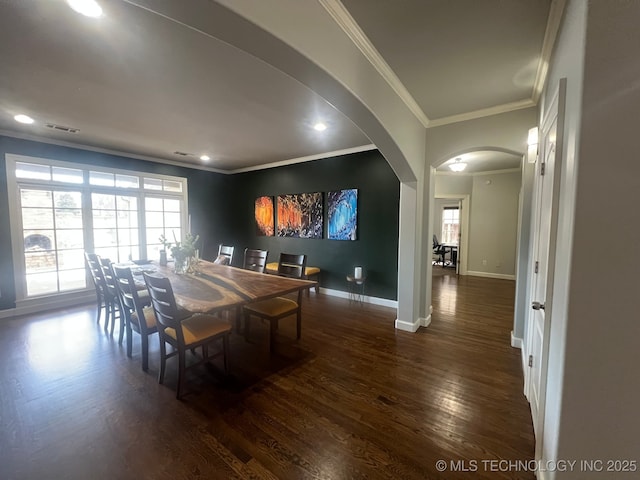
[[163, 360], [225, 353], [181, 372], [272, 334], [238, 318], [122, 321], [145, 350], [129, 340], [247, 325]]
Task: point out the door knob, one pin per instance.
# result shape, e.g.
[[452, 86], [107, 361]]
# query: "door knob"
[[537, 306]]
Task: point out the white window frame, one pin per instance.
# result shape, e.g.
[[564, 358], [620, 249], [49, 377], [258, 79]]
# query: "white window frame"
[[26, 304]]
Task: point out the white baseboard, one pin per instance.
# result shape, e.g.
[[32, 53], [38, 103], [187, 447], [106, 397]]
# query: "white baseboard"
[[425, 322], [408, 326], [502, 276], [385, 302], [516, 342]]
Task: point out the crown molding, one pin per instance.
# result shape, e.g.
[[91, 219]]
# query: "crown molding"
[[343, 18], [108, 151], [319, 156], [62, 143], [550, 35], [484, 112]]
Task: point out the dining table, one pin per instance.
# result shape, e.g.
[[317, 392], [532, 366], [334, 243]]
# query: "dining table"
[[212, 288]]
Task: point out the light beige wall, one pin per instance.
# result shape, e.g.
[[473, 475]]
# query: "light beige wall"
[[600, 390], [494, 223], [493, 219], [453, 184]]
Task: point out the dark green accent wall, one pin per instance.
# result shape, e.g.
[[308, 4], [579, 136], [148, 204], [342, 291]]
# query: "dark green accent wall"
[[221, 208], [376, 249]]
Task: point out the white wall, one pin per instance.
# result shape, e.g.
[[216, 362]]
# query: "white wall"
[[595, 395], [493, 219], [494, 223], [566, 62]]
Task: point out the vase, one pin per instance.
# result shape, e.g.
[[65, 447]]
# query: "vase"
[[180, 266]]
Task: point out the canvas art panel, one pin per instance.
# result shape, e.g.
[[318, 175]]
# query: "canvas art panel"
[[342, 214], [265, 225], [300, 215]]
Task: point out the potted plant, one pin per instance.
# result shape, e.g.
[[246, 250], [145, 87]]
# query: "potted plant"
[[183, 253]]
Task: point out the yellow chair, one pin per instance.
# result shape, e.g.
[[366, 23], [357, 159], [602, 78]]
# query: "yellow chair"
[[184, 331], [310, 273], [274, 309]]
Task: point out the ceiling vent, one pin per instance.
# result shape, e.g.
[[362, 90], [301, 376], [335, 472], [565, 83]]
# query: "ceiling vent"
[[61, 128], [183, 154]]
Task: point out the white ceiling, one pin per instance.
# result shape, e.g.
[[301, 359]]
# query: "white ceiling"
[[139, 83]]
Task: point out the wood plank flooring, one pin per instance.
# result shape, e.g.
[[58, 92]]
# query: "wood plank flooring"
[[354, 398]]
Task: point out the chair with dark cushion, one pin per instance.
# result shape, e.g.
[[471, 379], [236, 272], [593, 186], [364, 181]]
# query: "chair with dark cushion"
[[138, 313], [273, 309], [183, 330]]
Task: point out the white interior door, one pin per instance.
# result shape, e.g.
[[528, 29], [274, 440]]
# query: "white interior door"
[[544, 233]]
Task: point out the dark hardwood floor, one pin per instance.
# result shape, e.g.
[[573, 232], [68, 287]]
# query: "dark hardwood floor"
[[354, 398]]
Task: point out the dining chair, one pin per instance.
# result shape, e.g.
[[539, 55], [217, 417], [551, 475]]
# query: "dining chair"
[[273, 309], [138, 312], [93, 264], [184, 330], [225, 255], [255, 260], [111, 297]]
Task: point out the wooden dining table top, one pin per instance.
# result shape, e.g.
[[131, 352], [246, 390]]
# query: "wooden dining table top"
[[220, 287]]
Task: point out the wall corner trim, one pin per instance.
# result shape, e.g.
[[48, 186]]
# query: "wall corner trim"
[[516, 342], [425, 322], [408, 326]]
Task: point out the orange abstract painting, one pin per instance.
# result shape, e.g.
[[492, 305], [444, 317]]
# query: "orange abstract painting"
[[264, 216], [300, 215]]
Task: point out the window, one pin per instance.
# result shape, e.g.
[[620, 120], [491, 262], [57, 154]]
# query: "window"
[[115, 226], [60, 210], [450, 225], [53, 240]]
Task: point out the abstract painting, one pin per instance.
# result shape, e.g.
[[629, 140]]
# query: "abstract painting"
[[300, 215], [264, 216], [342, 209]]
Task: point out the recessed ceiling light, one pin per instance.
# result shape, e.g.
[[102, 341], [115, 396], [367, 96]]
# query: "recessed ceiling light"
[[23, 119], [88, 8], [205, 158], [320, 127]]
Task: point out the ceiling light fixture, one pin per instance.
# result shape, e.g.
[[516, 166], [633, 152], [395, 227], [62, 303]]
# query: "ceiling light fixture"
[[205, 158], [24, 119], [321, 127], [458, 166], [88, 8]]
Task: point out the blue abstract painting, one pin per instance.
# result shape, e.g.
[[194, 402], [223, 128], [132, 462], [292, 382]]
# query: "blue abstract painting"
[[342, 207]]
